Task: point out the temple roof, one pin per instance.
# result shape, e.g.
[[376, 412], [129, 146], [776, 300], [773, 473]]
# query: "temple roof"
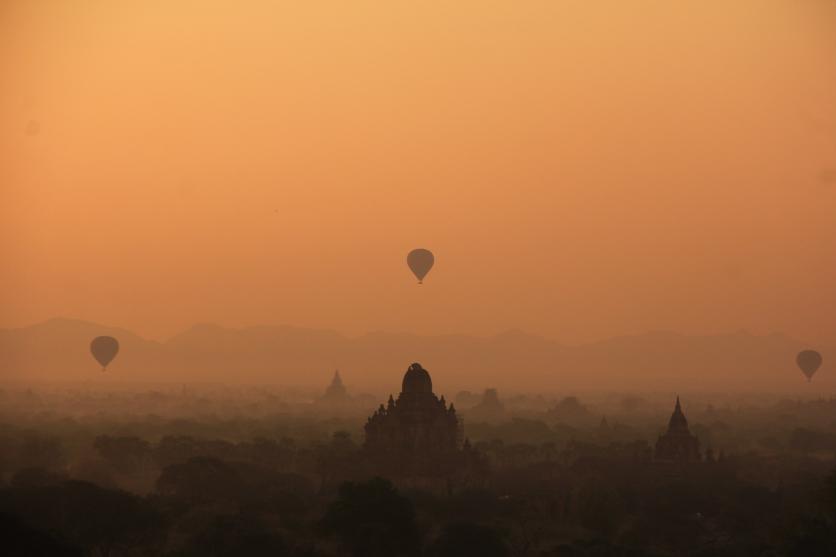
[[336, 389], [417, 380], [678, 421]]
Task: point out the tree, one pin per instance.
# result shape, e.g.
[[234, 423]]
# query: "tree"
[[37, 477], [21, 540], [102, 521], [338, 460], [123, 454], [231, 536], [174, 449], [464, 539], [812, 537], [830, 493], [40, 451], [371, 519], [200, 479]]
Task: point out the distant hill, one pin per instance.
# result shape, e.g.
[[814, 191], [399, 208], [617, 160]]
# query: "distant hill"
[[60, 349], [659, 361]]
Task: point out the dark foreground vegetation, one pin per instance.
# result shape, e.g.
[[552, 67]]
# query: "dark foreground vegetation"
[[212, 478]]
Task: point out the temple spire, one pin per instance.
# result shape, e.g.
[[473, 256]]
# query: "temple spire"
[[336, 391], [678, 421], [678, 443]]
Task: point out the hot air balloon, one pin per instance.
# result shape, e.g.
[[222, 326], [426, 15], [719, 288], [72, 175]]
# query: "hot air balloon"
[[104, 349], [420, 261], [808, 361]]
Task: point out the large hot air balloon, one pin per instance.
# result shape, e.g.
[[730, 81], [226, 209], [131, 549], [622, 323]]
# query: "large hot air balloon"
[[420, 261], [809, 361], [104, 349]]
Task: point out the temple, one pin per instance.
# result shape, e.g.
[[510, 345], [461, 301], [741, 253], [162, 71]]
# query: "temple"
[[416, 435], [490, 408], [677, 444], [336, 390]]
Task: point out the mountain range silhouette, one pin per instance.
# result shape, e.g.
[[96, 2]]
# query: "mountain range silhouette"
[[58, 349]]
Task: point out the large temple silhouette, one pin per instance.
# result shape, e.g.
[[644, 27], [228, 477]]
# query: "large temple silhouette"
[[417, 435], [677, 444]]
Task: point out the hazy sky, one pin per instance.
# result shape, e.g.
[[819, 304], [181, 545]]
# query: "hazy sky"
[[580, 168]]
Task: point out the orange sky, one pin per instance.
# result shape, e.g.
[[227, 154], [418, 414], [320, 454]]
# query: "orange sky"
[[580, 168]]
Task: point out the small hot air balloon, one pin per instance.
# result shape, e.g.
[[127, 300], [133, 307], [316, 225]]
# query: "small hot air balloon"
[[420, 261], [808, 361], [104, 349]]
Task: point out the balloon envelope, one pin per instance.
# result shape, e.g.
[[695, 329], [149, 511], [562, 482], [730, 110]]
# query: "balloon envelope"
[[809, 361], [420, 261], [104, 349]]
